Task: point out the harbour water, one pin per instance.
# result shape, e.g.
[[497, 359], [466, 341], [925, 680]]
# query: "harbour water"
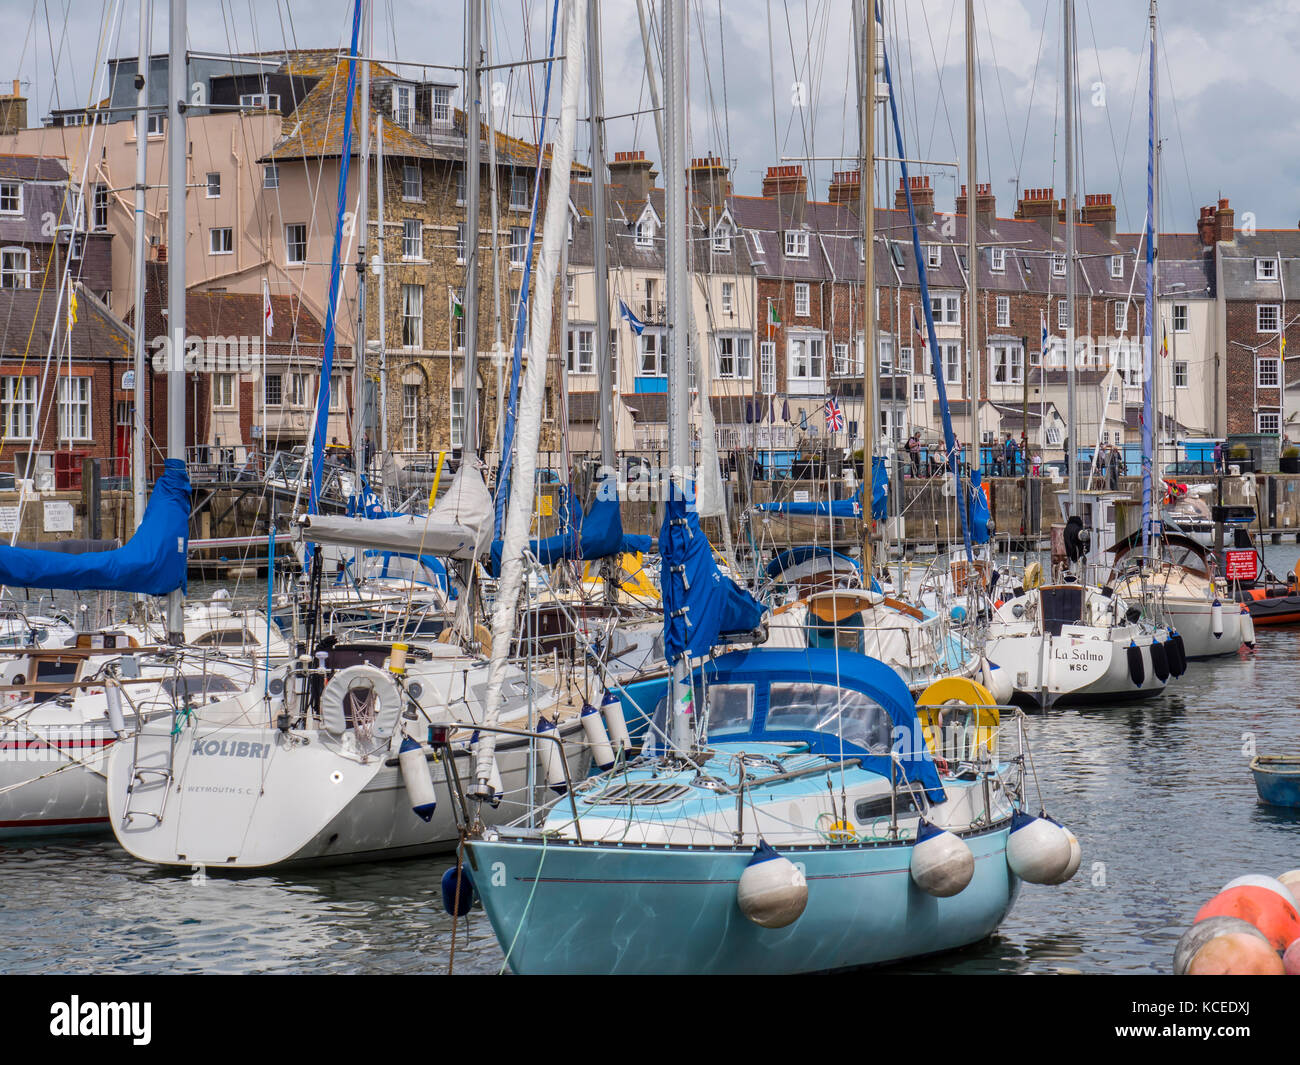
[[1158, 793]]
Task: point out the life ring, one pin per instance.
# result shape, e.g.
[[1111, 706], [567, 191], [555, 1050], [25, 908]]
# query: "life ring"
[[364, 700], [1033, 576]]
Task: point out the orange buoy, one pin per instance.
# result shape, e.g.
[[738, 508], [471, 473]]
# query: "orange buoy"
[[1291, 959], [1236, 954], [1203, 931], [1263, 907]]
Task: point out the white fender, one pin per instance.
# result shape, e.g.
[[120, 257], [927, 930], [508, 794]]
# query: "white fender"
[[1038, 850], [615, 721], [597, 738], [1247, 626], [771, 891], [1216, 618], [415, 775], [1076, 858], [942, 864], [551, 757], [116, 720]]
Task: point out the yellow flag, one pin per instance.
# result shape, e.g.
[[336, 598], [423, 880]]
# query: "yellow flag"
[[72, 308]]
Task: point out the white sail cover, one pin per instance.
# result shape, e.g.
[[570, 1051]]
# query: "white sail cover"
[[459, 526], [532, 391]]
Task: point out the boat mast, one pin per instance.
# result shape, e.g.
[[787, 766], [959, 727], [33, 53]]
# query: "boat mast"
[[473, 87], [1150, 433], [363, 223], [1072, 429], [383, 281], [138, 473], [972, 248], [494, 208], [678, 292], [865, 35], [177, 85], [600, 256]]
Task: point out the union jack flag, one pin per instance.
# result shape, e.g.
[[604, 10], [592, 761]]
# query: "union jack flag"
[[834, 417]]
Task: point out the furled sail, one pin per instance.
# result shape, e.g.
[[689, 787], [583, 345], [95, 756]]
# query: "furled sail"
[[594, 533], [700, 604], [152, 562]]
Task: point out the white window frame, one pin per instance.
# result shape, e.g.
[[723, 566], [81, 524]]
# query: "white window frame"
[[934, 256], [412, 183], [75, 410], [998, 260], [279, 390], [17, 406], [457, 418], [806, 363], [1265, 269], [1004, 312], [520, 188], [906, 357], [722, 234], [412, 240], [223, 391], [767, 367], [295, 251], [1116, 266], [652, 346], [945, 308], [460, 242], [227, 244], [260, 101], [802, 300], [796, 244], [728, 298], [440, 105], [1058, 265], [156, 125], [11, 190], [1006, 363], [518, 245], [413, 317], [884, 356], [950, 352], [733, 356], [645, 233], [1120, 315], [1268, 422], [918, 391], [1180, 374], [403, 105], [271, 176], [99, 205], [214, 185], [410, 416], [585, 349], [1062, 314], [336, 393], [1183, 311], [1267, 372], [1260, 309], [840, 359], [302, 394]]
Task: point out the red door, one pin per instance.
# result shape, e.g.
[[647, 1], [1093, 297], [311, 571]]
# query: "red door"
[[122, 444]]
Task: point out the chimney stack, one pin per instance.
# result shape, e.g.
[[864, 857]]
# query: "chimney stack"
[[1038, 205], [845, 187], [634, 173], [710, 185], [986, 205], [13, 110], [922, 199], [788, 186], [1099, 211], [1205, 227], [1224, 218]]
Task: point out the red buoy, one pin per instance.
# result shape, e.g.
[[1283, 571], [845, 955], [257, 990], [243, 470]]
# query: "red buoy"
[[1266, 909]]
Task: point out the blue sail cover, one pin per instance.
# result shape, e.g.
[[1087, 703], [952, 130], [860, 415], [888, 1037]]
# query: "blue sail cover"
[[979, 509], [700, 604], [850, 507], [152, 562], [596, 534], [879, 489], [794, 556]]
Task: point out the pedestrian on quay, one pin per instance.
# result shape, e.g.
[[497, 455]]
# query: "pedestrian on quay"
[[913, 448], [1009, 449]]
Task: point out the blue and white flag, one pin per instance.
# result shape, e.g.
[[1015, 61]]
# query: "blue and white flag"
[[638, 326]]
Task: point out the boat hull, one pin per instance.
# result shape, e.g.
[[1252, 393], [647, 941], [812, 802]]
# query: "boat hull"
[[1277, 780], [53, 785], [673, 910]]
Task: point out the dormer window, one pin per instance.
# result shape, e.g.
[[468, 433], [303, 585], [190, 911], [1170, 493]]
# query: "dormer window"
[[998, 260], [722, 234], [1117, 266], [1265, 269], [934, 256], [1058, 265], [645, 232], [11, 197], [403, 105], [796, 243], [440, 105]]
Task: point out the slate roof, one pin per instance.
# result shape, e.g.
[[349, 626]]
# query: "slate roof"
[[32, 168], [30, 316]]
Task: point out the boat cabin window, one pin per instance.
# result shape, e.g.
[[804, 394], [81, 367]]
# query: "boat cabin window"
[[226, 638], [211, 686], [49, 671], [731, 708], [837, 711], [1062, 605]]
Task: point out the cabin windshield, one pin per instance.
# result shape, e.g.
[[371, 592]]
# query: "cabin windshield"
[[854, 716], [1062, 605]]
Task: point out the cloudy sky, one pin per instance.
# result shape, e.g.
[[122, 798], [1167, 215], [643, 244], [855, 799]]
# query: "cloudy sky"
[[771, 78]]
